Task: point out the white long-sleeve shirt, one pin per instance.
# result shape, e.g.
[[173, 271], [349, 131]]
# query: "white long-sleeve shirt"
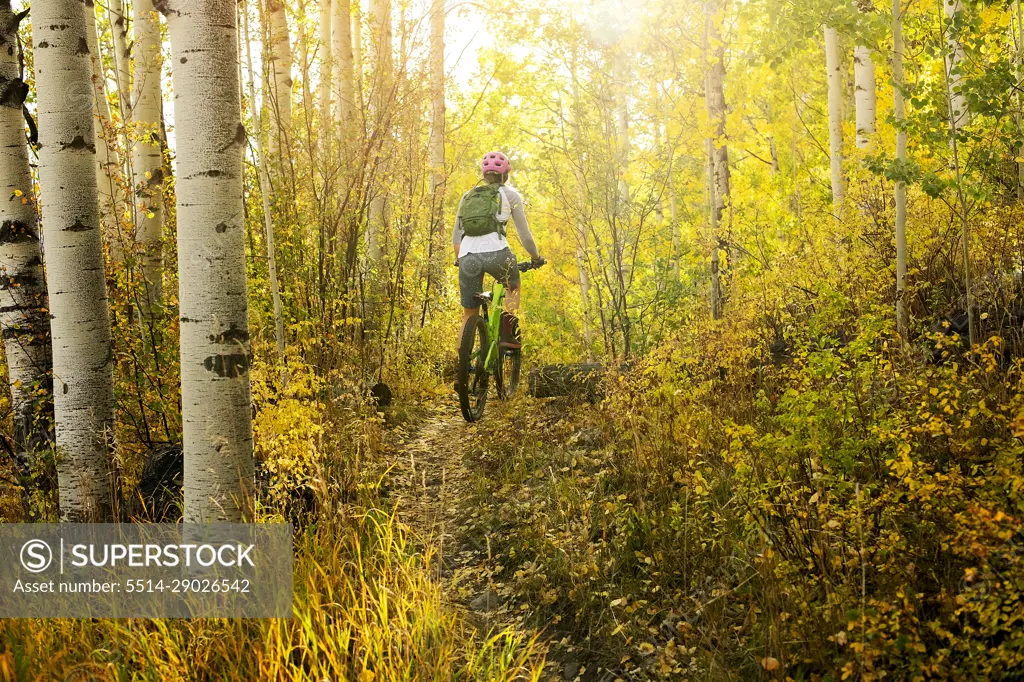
[[495, 241]]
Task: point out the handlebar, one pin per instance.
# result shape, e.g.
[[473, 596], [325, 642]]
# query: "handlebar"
[[532, 265]]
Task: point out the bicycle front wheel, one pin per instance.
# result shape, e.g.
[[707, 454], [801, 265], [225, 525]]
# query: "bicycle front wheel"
[[473, 378]]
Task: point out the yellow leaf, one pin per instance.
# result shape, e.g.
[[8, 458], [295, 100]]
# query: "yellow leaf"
[[769, 663], [18, 192], [367, 676], [646, 648]]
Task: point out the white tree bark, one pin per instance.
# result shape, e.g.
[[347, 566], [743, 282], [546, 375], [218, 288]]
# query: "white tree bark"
[[80, 322], [899, 115], [717, 170], [268, 221], [215, 347], [341, 52], [835, 115], [1017, 28], [716, 274], [620, 73], [280, 72], [357, 57], [109, 174], [122, 56], [437, 108], [383, 85], [954, 60], [864, 95], [326, 68], [24, 322], [717, 111], [436, 172], [673, 214], [147, 153]]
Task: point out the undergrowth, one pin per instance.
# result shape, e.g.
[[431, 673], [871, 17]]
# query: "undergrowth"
[[366, 607], [849, 511]]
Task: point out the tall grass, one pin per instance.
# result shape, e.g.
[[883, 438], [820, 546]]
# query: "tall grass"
[[365, 609], [365, 605]]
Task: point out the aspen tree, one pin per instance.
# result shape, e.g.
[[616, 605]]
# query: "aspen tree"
[[215, 346], [147, 153], [122, 55], [280, 82], [835, 116], [899, 116], [268, 216], [23, 317], [109, 171], [79, 317], [341, 74], [324, 47], [435, 146], [864, 89]]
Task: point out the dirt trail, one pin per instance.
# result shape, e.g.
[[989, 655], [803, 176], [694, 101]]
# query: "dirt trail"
[[431, 484]]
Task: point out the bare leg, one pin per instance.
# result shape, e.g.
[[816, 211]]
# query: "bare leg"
[[466, 314]]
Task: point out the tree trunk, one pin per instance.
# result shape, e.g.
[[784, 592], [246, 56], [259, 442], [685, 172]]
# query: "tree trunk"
[[581, 381], [1017, 27], [620, 71], [23, 308], [383, 82], [717, 110], [864, 95], [326, 68], [899, 115], [954, 59], [122, 56], [714, 106], [268, 219], [357, 61], [436, 253], [109, 175], [79, 319], [382, 95], [716, 275], [280, 77], [341, 52], [673, 214], [835, 116], [215, 347], [148, 161], [437, 108], [957, 114]]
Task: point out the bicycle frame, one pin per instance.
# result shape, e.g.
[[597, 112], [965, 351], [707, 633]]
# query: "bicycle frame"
[[493, 323]]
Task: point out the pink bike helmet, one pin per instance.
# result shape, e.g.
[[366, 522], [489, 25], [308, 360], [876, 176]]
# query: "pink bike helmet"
[[495, 162]]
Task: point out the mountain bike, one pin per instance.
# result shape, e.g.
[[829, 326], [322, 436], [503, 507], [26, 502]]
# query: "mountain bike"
[[480, 356]]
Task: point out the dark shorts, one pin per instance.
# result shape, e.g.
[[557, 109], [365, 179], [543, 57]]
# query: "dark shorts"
[[501, 265]]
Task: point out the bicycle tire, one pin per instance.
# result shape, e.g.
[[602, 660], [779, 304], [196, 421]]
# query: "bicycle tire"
[[473, 378], [510, 362]]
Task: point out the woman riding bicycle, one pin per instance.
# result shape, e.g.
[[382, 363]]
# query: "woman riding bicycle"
[[481, 247]]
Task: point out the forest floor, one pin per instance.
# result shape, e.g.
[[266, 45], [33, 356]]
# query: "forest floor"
[[434, 485]]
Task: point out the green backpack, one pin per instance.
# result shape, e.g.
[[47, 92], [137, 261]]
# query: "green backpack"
[[479, 211]]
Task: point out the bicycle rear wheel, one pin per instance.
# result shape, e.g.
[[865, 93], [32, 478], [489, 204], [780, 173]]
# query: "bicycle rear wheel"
[[473, 378], [510, 361]]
